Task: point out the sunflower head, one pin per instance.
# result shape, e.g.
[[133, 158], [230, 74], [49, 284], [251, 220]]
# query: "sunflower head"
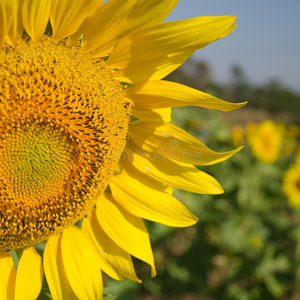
[[63, 129], [265, 140], [72, 104]]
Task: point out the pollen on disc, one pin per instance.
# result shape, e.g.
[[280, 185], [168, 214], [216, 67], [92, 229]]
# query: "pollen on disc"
[[64, 122]]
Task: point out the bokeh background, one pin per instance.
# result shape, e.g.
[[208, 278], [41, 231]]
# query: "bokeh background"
[[246, 244]]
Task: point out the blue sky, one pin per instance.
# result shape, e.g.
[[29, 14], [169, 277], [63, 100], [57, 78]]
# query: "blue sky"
[[266, 42]]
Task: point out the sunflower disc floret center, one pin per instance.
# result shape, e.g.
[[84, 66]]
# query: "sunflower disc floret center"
[[64, 121], [36, 162]]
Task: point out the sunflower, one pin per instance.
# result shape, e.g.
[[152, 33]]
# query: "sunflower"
[[265, 140], [237, 135], [86, 138], [291, 185]]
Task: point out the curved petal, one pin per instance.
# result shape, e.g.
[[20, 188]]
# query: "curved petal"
[[176, 174], [35, 16], [7, 276], [67, 15], [144, 199], [160, 115], [81, 264], [153, 69], [175, 143], [166, 38], [54, 271], [29, 277], [116, 19], [8, 13], [116, 262], [16, 28], [126, 230], [156, 94]]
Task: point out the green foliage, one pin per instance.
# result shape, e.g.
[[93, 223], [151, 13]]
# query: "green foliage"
[[246, 244]]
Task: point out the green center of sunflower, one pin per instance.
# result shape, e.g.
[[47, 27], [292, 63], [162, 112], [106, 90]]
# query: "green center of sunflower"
[[64, 121], [36, 162]]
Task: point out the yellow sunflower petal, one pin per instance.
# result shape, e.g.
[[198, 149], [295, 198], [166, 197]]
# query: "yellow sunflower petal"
[[126, 230], [177, 174], [8, 12], [81, 264], [116, 262], [66, 16], [29, 277], [145, 200], [154, 69], [116, 19], [166, 38], [104, 264], [156, 94], [35, 16], [7, 277], [175, 143], [16, 28], [160, 115], [54, 271]]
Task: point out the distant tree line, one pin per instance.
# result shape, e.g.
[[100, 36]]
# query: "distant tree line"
[[273, 96]]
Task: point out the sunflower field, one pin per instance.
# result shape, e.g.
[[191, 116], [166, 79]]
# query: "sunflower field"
[[246, 244], [95, 175]]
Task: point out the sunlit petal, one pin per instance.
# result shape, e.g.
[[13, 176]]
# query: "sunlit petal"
[[66, 16], [115, 261], [8, 13], [181, 175], [163, 208], [127, 231], [160, 115], [166, 38], [29, 275], [35, 15], [7, 276], [156, 94], [81, 264], [116, 19], [174, 143], [54, 270]]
